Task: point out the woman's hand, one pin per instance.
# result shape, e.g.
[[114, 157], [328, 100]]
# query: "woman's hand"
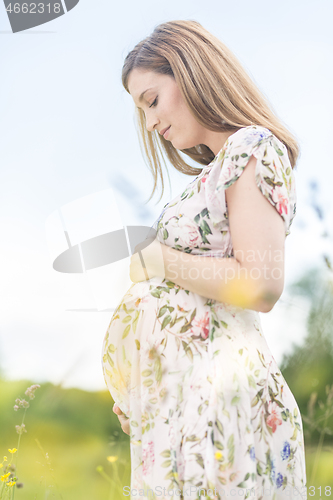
[[124, 421], [151, 262]]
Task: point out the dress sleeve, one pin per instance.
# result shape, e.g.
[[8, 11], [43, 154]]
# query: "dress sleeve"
[[274, 175]]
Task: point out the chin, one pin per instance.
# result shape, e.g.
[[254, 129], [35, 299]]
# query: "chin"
[[183, 144]]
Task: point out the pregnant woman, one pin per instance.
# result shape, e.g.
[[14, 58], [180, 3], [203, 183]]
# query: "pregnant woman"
[[195, 385]]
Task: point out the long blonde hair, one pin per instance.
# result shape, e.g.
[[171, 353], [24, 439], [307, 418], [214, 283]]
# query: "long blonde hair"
[[214, 85]]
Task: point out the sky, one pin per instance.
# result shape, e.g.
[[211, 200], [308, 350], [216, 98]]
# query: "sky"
[[70, 156]]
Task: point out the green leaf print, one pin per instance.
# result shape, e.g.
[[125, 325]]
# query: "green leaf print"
[[110, 360], [189, 354], [241, 485], [127, 319], [284, 178], [244, 155], [251, 381], [158, 370], [266, 164], [127, 311], [166, 463], [162, 311], [293, 437], [261, 382], [205, 227], [163, 289], [231, 448], [146, 373], [165, 234], [148, 382], [166, 321], [203, 236], [137, 344], [199, 460], [194, 312], [126, 331], [170, 475], [218, 445], [185, 327], [272, 183], [192, 438], [256, 398], [165, 453], [111, 348], [135, 321], [284, 416], [278, 150], [219, 427], [235, 400], [259, 469]]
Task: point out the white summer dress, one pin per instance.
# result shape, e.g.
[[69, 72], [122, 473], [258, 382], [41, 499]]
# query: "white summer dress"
[[211, 415]]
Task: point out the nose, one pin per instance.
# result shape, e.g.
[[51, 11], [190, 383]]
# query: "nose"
[[151, 121]]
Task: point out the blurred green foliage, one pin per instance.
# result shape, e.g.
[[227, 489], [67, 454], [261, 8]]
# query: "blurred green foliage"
[[308, 368], [76, 428]]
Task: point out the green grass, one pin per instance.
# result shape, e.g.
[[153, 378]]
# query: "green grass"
[[324, 474]]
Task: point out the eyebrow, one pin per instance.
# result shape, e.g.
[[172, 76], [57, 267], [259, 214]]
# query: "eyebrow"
[[143, 93]]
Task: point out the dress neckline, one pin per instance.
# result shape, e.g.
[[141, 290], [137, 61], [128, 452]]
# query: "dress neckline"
[[210, 165]]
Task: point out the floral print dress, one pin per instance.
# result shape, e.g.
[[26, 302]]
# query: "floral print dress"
[[211, 414]]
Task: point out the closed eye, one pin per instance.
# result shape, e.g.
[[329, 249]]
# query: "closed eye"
[[153, 103]]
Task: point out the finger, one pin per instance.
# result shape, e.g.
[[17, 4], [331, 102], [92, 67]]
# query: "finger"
[[117, 410], [144, 266]]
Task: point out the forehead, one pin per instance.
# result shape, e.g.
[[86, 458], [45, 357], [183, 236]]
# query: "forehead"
[[141, 80]]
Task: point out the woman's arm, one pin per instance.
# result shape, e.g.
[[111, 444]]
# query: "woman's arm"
[[219, 278], [254, 277]]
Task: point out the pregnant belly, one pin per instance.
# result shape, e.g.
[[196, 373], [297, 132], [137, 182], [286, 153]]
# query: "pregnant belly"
[[152, 317]]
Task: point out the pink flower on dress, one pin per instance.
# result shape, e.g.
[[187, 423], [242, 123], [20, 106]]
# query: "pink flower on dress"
[[186, 230], [148, 457], [274, 418], [282, 203], [202, 324]]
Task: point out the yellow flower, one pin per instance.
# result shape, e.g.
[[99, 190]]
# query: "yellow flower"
[[4, 477], [1, 465], [112, 459], [218, 455], [14, 450], [11, 483], [5, 459], [241, 292]]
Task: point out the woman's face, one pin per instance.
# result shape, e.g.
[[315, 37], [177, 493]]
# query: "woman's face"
[[164, 108]]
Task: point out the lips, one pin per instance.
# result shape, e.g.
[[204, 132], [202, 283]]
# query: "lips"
[[164, 130]]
